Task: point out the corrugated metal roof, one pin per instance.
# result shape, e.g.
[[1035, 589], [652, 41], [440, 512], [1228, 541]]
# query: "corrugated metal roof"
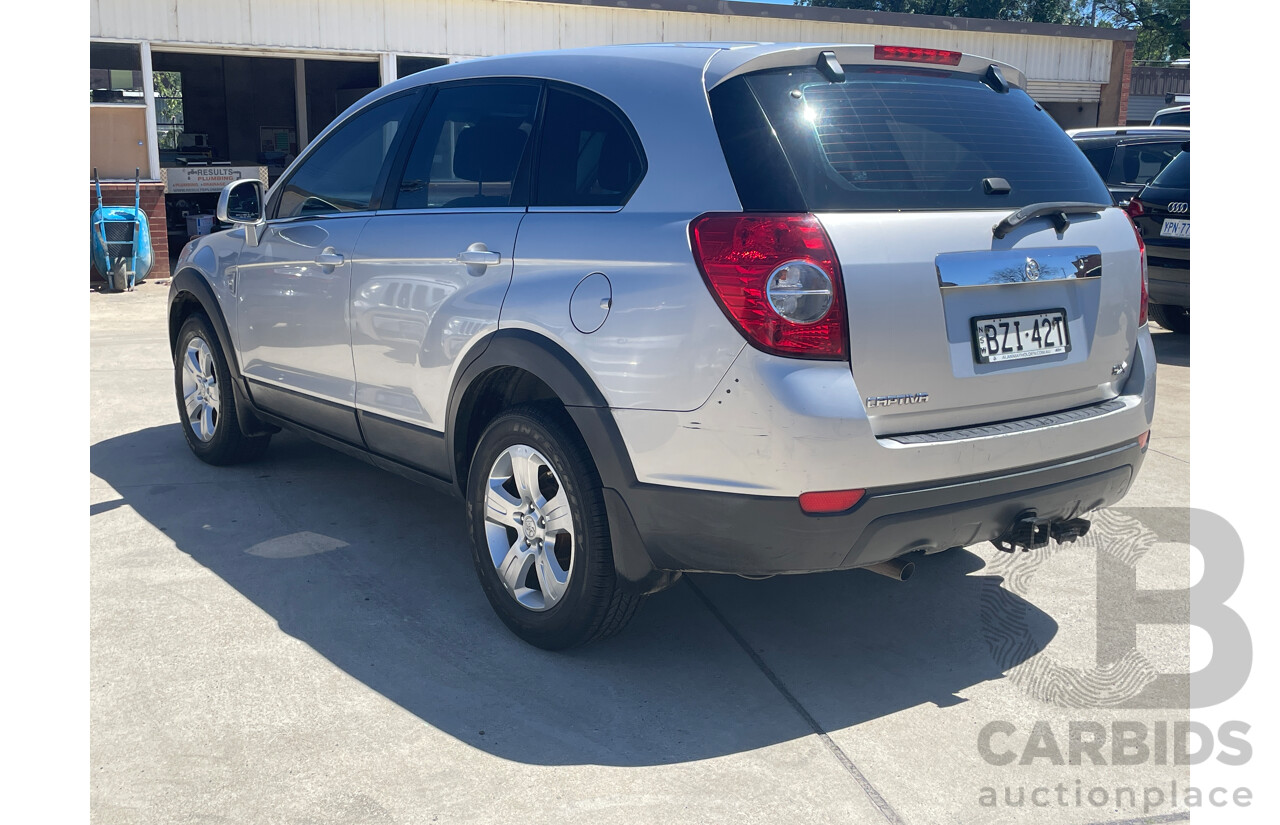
[[1144, 107], [473, 28], [1050, 91]]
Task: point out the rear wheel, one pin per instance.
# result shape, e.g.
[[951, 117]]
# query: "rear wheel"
[[1170, 316], [206, 401], [540, 534]]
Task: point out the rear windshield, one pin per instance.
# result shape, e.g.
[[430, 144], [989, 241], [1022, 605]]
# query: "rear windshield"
[[1177, 175], [892, 139], [1182, 118]]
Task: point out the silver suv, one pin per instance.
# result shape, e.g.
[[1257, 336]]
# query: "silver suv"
[[736, 308]]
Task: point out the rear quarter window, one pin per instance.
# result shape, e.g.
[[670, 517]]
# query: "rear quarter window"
[[588, 156], [913, 139], [1177, 175]]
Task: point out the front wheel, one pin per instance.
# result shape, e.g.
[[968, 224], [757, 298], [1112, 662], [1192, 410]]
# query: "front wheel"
[[540, 534], [206, 399]]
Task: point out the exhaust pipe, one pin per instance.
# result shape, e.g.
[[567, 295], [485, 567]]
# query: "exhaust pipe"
[[896, 569]]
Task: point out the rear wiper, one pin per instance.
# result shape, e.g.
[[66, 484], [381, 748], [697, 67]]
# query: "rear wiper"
[[1055, 211]]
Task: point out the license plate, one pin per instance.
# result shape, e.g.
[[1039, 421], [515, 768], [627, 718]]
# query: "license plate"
[[1173, 228], [1013, 337]]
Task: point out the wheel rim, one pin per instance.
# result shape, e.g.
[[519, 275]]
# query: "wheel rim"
[[529, 527], [200, 393]]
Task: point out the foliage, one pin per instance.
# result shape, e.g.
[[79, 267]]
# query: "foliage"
[[169, 118], [1163, 26]]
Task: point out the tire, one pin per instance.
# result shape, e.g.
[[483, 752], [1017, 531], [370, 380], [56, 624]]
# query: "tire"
[[117, 277], [1171, 317], [210, 423], [537, 448]]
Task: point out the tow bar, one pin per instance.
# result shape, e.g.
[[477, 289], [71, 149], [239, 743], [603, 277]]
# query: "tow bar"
[[1031, 533]]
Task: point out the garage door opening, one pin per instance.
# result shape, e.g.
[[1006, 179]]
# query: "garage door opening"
[[225, 117]]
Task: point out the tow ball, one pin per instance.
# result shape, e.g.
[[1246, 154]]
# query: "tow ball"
[[1028, 532]]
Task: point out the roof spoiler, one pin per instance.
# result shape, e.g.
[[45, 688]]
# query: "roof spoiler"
[[729, 63]]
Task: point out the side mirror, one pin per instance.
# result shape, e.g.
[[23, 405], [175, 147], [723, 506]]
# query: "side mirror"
[[241, 202]]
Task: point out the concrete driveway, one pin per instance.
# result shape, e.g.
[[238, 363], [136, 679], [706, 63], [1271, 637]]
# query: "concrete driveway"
[[304, 640]]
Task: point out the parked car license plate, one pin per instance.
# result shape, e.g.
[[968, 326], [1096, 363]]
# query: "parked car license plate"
[[1173, 228], [1011, 337]]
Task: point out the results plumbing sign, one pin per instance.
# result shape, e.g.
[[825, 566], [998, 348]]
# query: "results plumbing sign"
[[181, 180]]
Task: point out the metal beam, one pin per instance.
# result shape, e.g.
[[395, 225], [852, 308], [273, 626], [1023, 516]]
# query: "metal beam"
[[149, 98]]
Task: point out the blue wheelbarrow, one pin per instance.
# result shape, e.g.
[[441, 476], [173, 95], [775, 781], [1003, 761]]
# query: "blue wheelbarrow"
[[120, 240]]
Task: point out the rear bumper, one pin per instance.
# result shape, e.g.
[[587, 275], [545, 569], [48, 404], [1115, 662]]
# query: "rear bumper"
[[698, 530], [1170, 285]]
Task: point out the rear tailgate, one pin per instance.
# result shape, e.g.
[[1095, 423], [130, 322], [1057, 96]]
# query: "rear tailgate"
[[926, 291], [909, 168]]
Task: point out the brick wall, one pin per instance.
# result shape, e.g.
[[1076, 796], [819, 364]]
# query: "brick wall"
[[152, 202], [1125, 79]]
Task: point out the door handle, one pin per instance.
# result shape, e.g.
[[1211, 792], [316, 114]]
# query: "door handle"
[[478, 255], [329, 257]]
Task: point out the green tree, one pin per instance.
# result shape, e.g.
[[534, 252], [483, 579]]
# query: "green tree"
[[1164, 31]]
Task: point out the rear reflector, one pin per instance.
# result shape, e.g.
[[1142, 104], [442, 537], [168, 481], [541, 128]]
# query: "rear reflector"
[[830, 501], [1143, 439], [911, 54]]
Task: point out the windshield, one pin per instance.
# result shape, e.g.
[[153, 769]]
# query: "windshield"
[[1182, 118], [914, 139]]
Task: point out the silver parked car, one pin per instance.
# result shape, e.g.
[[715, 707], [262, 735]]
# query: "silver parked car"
[[738, 308]]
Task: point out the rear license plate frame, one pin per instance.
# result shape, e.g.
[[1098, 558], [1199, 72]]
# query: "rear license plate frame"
[[975, 338], [1176, 228]]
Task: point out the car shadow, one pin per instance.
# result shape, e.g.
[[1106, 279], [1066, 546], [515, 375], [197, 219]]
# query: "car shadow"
[[374, 574], [1172, 348]]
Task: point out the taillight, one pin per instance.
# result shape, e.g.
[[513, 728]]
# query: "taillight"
[[1142, 256], [777, 279], [1134, 208], [911, 54]]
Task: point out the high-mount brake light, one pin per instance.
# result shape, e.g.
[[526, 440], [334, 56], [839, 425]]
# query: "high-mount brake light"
[[777, 279], [911, 54]]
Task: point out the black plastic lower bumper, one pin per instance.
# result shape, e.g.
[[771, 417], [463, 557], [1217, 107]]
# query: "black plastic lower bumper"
[[693, 530], [1170, 291]]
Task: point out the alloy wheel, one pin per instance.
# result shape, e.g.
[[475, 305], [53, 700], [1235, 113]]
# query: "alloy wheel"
[[529, 527], [200, 393]]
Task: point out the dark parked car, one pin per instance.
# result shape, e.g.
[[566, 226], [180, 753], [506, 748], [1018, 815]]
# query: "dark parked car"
[[1162, 213], [1128, 159]]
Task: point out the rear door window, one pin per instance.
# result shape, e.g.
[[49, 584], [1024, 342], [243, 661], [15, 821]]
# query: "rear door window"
[[470, 147], [895, 139], [1139, 163], [587, 155], [1100, 159]]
